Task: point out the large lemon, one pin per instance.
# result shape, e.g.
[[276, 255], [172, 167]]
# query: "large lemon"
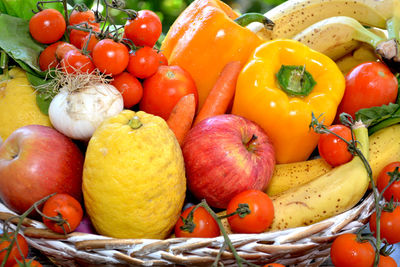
[[18, 104], [134, 177]]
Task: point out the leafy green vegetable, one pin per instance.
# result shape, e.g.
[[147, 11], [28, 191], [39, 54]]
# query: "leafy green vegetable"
[[17, 43], [377, 118], [43, 102], [24, 8]]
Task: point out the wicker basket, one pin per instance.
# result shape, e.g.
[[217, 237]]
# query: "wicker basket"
[[302, 246]]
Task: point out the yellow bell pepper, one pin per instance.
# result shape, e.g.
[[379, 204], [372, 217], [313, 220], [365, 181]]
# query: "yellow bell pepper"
[[281, 85], [204, 38]]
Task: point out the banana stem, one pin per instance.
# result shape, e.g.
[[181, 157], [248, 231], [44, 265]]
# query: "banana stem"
[[366, 36]]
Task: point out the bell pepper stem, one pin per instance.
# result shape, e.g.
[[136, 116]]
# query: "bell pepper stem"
[[295, 80], [248, 18]]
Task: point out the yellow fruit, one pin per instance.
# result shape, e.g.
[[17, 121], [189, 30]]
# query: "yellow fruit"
[[134, 178], [18, 104]]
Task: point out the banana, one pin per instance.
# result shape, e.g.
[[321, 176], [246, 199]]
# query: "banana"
[[290, 175], [360, 55], [328, 195], [339, 189], [336, 36], [293, 16]]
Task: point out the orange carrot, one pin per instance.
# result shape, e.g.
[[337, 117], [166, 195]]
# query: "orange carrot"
[[221, 95], [181, 117]]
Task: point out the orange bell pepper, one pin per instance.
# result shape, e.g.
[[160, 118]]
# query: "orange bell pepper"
[[204, 38], [281, 85]]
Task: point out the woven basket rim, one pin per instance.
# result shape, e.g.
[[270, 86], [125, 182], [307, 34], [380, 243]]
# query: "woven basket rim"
[[301, 246]]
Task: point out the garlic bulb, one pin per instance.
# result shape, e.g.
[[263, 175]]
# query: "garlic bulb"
[[77, 113]]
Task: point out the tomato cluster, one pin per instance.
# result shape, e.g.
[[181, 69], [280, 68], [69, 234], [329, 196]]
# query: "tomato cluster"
[[250, 211], [138, 70]]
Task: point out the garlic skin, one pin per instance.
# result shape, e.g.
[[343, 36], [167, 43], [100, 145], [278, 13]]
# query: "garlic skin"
[[78, 113]]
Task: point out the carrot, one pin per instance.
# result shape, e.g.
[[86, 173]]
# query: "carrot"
[[181, 117], [221, 95]]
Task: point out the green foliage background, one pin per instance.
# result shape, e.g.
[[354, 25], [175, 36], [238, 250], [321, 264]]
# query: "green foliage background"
[[168, 10]]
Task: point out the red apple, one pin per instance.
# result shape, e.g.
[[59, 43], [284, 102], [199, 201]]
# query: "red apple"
[[225, 155], [36, 161]]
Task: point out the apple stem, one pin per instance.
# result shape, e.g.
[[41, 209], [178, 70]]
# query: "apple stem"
[[251, 144], [21, 218]]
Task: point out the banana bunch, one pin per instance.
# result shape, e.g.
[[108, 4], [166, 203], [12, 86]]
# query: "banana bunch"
[[332, 27], [321, 191]]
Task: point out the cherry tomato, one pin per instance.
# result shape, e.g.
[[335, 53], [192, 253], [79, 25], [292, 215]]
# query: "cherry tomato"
[[274, 265], [145, 29], [75, 61], [89, 42], [76, 37], [110, 57], [332, 149], [347, 251], [386, 261], [368, 85], [65, 206], [47, 26], [78, 17], [389, 225], [129, 87], [63, 49], [143, 62], [162, 59], [28, 262], [14, 254], [205, 225], [165, 88], [383, 180], [261, 212], [47, 58]]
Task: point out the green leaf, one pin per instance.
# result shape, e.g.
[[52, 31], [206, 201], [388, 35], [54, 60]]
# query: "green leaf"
[[18, 44], [36, 80], [24, 8], [43, 101], [377, 118], [374, 115]]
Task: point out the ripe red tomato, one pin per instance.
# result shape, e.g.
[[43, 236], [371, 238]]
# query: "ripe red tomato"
[[165, 88], [76, 37], [383, 180], [65, 206], [145, 29], [129, 87], [143, 62], [274, 265], [347, 251], [89, 42], [77, 17], [162, 59], [63, 49], [205, 225], [389, 225], [110, 57], [386, 261], [74, 61], [47, 26], [332, 149], [14, 254], [47, 58], [368, 85], [261, 212], [28, 262]]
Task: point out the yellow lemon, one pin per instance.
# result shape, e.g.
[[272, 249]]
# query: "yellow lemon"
[[18, 104], [134, 177]]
